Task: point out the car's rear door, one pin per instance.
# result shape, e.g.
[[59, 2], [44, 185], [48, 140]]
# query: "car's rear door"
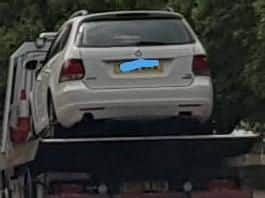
[[109, 44], [103, 67]]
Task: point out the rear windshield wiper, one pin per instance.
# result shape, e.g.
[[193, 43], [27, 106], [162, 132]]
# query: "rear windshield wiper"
[[151, 43], [158, 43]]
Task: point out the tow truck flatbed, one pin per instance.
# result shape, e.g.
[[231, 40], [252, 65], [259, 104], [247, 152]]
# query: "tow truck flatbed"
[[236, 143], [232, 137], [97, 153], [112, 158]]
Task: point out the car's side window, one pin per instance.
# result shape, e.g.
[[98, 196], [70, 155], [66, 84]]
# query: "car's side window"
[[65, 36], [60, 42], [53, 48]]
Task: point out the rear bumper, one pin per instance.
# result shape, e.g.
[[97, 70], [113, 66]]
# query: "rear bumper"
[[73, 100]]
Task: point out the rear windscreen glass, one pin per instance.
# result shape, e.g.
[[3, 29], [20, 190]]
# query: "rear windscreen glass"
[[145, 32]]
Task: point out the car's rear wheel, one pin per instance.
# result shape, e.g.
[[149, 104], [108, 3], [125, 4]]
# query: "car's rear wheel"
[[207, 127], [52, 119], [190, 126]]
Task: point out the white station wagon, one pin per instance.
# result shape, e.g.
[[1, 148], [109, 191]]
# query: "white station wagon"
[[124, 65]]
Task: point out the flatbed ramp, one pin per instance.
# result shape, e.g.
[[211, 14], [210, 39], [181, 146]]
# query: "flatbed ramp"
[[115, 160], [233, 137], [144, 167], [100, 154]]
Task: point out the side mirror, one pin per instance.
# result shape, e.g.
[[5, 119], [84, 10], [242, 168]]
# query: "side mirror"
[[31, 65], [49, 36], [40, 42], [44, 38]]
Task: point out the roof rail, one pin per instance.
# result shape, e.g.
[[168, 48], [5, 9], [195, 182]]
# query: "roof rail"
[[79, 13], [169, 9]]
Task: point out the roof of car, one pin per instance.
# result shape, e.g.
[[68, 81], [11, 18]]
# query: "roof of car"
[[131, 14]]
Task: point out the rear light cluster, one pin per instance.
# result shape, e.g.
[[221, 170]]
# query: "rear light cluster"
[[200, 65], [72, 69]]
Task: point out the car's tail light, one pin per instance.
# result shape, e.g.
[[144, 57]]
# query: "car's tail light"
[[200, 65], [72, 69]]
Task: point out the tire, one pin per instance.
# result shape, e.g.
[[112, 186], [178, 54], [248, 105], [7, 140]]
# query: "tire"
[[207, 128], [34, 133], [52, 119], [195, 127]]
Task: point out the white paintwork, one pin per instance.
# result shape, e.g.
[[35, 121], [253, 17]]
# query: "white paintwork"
[[176, 61], [122, 97]]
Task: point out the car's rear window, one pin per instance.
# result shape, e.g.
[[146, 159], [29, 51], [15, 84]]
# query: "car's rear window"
[[141, 32]]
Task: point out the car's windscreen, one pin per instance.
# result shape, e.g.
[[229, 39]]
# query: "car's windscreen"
[[145, 32]]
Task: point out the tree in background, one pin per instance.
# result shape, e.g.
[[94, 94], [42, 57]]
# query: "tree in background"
[[228, 30], [255, 70], [232, 31]]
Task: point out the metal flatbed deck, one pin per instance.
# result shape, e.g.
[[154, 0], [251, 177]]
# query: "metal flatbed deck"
[[113, 154], [230, 137]]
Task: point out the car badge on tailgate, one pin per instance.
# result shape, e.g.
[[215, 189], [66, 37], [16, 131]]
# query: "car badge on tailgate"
[[138, 53]]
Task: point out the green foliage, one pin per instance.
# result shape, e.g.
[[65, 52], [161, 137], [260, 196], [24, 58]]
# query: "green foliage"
[[232, 31], [228, 30], [255, 70]]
